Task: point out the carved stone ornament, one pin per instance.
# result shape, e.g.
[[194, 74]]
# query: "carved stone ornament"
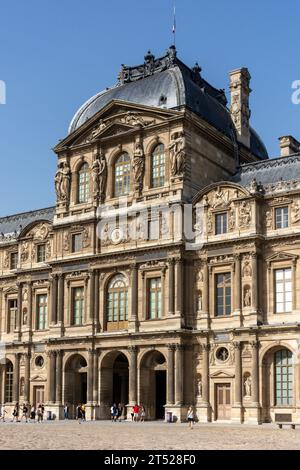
[[24, 252], [247, 270], [177, 154], [138, 166], [63, 182], [245, 214], [295, 212]]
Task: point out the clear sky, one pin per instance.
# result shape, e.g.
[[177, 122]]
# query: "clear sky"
[[55, 54]]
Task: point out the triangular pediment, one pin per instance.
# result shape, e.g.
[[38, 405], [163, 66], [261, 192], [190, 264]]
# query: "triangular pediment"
[[37, 378], [221, 374], [117, 117], [10, 291], [282, 256]]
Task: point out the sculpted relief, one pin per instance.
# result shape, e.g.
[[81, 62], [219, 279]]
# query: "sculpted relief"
[[99, 176], [138, 166], [177, 154], [63, 183]]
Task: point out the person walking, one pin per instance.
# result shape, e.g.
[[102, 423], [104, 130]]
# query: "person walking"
[[120, 412], [24, 413], [143, 414], [132, 414], [3, 413], [15, 413], [66, 411], [32, 413], [40, 412], [78, 413], [136, 410], [190, 417], [83, 412]]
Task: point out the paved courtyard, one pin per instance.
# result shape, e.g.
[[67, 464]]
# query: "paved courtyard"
[[153, 435]]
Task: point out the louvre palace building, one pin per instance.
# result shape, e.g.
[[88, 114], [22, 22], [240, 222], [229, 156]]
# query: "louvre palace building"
[[167, 273]]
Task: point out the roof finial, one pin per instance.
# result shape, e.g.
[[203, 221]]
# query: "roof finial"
[[174, 25]]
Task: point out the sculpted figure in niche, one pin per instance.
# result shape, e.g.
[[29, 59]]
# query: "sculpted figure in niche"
[[295, 213], [138, 165], [247, 271], [102, 176], [199, 386], [245, 214], [95, 176], [62, 182], [177, 154], [247, 297], [247, 386]]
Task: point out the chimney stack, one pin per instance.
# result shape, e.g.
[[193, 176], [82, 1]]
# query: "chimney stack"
[[240, 110], [288, 145]]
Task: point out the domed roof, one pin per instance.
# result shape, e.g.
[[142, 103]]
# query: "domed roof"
[[168, 83]]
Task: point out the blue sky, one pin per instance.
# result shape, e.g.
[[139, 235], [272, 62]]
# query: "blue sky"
[[55, 54]]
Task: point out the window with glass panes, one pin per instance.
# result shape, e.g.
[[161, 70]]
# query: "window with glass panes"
[[13, 260], [283, 378], [223, 294], [117, 300], [283, 290], [76, 242], [12, 315], [158, 166], [281, 217], [122, 175], [9, 374], [42, 310], [83, 183], [41, 253], [78, 305], [154, 298], [221, 223]]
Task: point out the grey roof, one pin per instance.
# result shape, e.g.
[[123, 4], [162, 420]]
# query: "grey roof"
[[168, 83], [270, 171], [13, 224]]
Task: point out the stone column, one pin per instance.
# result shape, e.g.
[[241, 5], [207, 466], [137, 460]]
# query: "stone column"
[[29, 316], [170, 374], [237, 306], [16, 378], [90, 375], [59, 358], [255, 373], [238, 374], [19, 306], [96, 377], [134, 287], [294, 283], [178, 286], [171, 287], [133, 375], [254, 282], [51, 376], [179, 374], [205, 374], [61, 299], [96, 301], [53, 320], [27, 357], [92, 296], [205, 301]]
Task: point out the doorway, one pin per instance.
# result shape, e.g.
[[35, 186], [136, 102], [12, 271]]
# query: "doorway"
[[223, 401], [38, 395], [160, 393]]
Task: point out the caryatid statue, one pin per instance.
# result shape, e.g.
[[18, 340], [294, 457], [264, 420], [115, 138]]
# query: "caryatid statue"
[[95, 176], [102, 176], [63, 182], [177, 155], [138, 166]]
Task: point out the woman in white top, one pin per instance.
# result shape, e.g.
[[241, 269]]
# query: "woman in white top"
[[190, 417]]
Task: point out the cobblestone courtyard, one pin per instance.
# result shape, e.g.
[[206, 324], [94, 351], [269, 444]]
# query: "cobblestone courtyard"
[[153, 435]]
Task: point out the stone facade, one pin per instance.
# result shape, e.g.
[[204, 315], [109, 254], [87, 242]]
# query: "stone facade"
[[80, 320]]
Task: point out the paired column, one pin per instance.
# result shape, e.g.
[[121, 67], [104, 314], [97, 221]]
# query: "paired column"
[[205, 375], [171, 287], [238, 374], [179, 286], [133, 375], [255, 373], [19, 306], [237, 306], [16, 378], [205, 301], [95, 377], [254, 282], [29, 316], [96, 300], [90, 374], [60, 301], [170, 376], [179, 374], [92, 296], [134, 288], [52, 376], [59, 358], [27, 357], [54, 285]]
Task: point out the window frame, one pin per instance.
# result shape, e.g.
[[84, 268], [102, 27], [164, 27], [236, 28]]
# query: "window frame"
[[14, 255], [41, 311], [74, 237], [41, 246], [9, 315], [158, 153], [157, 292], [226, 285], [284, 217], [122, 179], [9, 382], [284, 290], [283, 371], [83, 184], [117, 302], [225, 216], [77, 320]]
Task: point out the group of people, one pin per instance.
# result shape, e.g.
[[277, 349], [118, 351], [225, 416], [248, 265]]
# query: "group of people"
[[118, 412], [24, 412]]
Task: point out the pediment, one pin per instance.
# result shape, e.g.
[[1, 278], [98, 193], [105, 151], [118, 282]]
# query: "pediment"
[[282, 256], [221, 374], [220, 195], [38, 230], [117, 117], [10, 291], [37, 378]]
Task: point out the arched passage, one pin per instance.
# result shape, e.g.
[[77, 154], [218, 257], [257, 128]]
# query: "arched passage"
[[153, 384], [75, 391], [114, 381], [278, 391]]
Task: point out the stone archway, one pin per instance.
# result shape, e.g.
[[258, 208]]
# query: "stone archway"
[[114, 380], [75, 389], [278, 384], [153, 385]]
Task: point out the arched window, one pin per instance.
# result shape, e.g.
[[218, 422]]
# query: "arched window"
[[122, 175], [158, 166], [9, 373], [283, 377], [117, 301], [83, 183]]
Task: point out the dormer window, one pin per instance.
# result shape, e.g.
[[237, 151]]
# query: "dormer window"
[[221, 223], [41, 253], [281, 217]]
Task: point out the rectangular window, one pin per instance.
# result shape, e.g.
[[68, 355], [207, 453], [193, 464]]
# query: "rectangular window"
[[281, 217], [283, 378], [223, 294], [41, 253], [14, 260], [76, 242], [283, 290], [12, 315], [153, 229], [77, 305], [155, 308], [221, 223], [42, 310], [158, 169]]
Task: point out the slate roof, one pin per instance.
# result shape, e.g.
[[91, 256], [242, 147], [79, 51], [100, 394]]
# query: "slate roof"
[[13, 224], [170, 78], [270, 171]]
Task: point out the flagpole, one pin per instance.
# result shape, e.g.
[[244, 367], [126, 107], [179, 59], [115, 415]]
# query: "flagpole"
[[174, 25]]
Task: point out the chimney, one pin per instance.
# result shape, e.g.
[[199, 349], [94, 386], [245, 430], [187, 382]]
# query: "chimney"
[[288, 145], [240, 111]]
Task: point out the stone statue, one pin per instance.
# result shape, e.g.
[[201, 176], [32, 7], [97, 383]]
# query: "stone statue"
[[247, 298], [295, 213], [248, 386], [58, 179], [245, 214], [138, 165], [63, 182], [199, 301], [95, 176], [199, 387], [102, 176], [177, 155]]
